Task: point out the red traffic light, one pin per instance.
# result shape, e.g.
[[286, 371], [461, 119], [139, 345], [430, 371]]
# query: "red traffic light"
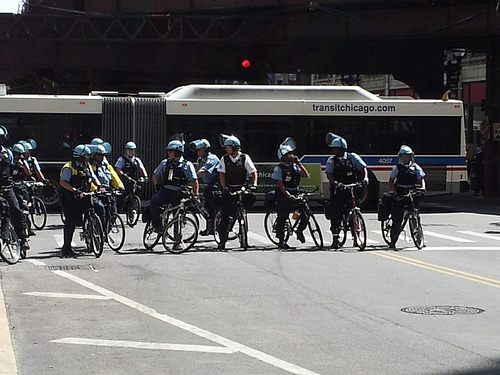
[[246, 64]]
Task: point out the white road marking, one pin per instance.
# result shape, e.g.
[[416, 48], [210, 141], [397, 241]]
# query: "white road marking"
[[445, 237], [259, 238], [230, 344], [482, 235], [35, 262], [66, 295], [146, 345], [466, 248]]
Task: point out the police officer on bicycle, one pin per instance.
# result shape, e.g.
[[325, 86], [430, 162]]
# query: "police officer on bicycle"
[[207, 171], [20, 171], [169, 178], [287, 175], [342, 168], [406, 175], [15, 212], [108, 178], [233, 169], [76, 177], [128, 166], [32, 161]]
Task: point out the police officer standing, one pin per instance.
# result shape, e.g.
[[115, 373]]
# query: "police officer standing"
[[233, 170], [287, 175], [169, 178], [207, 171], [341, 168], [406, 175], [6, 161], [76, 178]]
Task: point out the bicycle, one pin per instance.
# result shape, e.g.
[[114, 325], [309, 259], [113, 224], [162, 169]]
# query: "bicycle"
[[10, 247], [115, 228], [412, 216], [36, 207], [305, 213], [180, 231], [92, 232], [132, 202], [240, 218], [353, 220]]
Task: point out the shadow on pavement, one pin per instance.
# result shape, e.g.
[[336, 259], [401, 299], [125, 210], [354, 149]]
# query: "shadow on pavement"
[[460, 202]]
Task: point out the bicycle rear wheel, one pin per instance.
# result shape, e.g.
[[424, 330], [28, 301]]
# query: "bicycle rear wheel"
[[180, 235], [133, 210], [243, 230], [385, 227], [116, 232], [342, 234], [231, 234], [358, 228], [10, 249], [315, 231], [38, 213], [417, 233], [149, 237]]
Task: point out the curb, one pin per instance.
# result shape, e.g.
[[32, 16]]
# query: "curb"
[[8, 364]]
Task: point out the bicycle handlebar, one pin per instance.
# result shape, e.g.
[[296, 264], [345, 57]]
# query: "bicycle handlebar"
[[242, 190], [350, 186]]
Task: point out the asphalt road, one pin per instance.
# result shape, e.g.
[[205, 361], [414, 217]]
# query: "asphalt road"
[[263, 311]]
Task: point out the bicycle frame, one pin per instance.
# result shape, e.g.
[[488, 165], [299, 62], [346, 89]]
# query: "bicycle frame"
[[354, 220]]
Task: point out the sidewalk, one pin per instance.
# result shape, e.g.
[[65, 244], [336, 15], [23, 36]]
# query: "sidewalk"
[[460, 202]]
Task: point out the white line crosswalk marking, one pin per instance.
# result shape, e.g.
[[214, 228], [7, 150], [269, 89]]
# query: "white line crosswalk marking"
[[481, 235], [147, 345], [66, 295], [445, 237]]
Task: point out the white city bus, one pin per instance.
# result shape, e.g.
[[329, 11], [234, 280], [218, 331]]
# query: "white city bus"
[[261, 116], [374, 127]]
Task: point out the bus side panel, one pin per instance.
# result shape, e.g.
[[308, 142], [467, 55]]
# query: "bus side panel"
[[151, 135], [141, 120], [117, 124]]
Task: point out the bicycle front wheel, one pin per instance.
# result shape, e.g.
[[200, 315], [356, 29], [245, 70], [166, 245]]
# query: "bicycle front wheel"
[[417, 233], [133, 210], [116, 232], [180, 235], [315, 231], [94, 234], [10, 249], [358, 228], [38, 213], [243, 230], [386, 227]]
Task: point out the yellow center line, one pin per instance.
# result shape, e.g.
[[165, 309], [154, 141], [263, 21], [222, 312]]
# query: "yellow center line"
[[447, 271]]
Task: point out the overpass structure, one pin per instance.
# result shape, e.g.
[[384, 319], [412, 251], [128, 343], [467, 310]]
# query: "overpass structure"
[[76, 46]]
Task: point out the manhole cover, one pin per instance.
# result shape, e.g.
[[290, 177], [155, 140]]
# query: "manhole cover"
[[442, 310], [88, 267]]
